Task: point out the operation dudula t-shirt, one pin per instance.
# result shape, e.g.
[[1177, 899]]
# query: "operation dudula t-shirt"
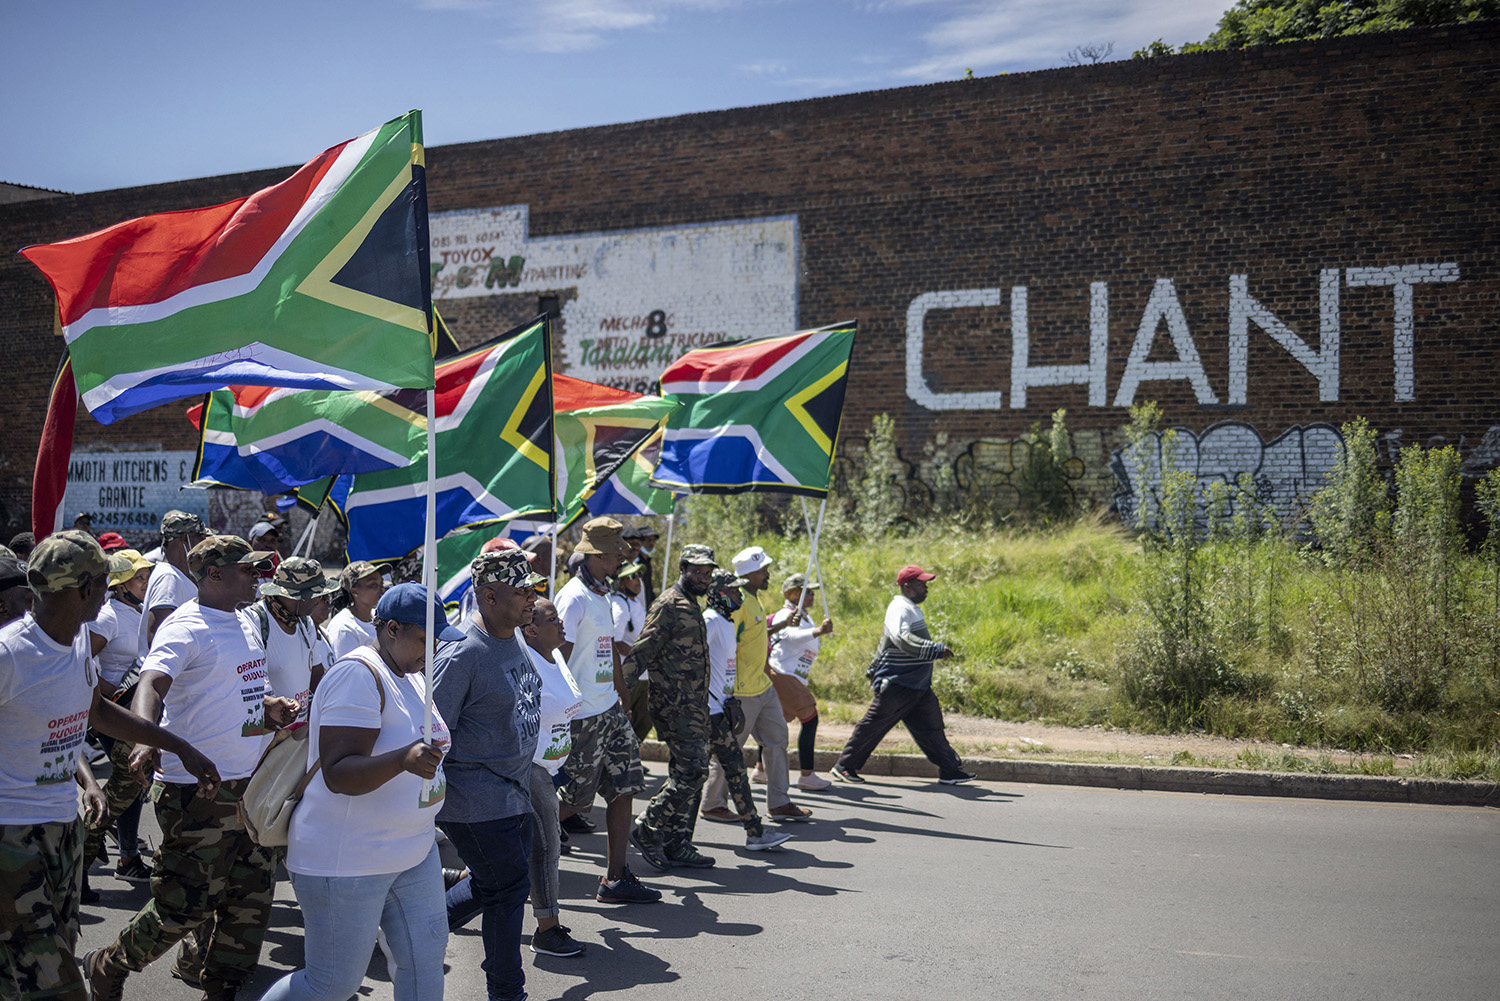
[[46, 691]]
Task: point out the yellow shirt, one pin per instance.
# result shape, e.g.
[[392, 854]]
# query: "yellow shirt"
[[753, 643]]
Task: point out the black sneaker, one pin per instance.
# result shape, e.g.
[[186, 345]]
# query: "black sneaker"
[[845, 774], [626, 890], [133, 869], [87, 894], [577, 823], [959, 779], [690, 857], [556, 941], [650, 848]]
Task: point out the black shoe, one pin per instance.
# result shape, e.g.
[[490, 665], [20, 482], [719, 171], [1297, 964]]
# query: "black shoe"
[[626, 890], [88, 894], [650, 848], [577, 823], [562, 835], [133, 869], [690, 857], [845, 774], [452, 877], [556, 941], [959, 779]]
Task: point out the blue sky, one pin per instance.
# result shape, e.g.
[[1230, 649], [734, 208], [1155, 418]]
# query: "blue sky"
[[105, 95]]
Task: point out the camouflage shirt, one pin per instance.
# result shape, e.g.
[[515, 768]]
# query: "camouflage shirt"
[[673, 647]]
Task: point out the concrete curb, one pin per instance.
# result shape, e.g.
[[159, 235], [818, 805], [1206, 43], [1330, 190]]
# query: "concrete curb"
[[1294, 785]]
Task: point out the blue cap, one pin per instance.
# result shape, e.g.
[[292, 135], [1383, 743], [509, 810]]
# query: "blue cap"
[[408, 603]]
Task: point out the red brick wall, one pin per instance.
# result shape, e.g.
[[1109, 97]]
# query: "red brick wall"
[[1275, 163]]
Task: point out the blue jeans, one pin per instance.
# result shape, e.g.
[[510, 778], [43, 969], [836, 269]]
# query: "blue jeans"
[[340, 915], [497, 854]]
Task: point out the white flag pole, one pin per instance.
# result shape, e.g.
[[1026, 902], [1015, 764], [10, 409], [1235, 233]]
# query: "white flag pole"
[[307, 532], [552, 572], [822, 589], [666, 560], [812, 555], [429, 571]]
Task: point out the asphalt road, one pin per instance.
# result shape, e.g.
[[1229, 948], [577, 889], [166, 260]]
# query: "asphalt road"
[[904, 889]]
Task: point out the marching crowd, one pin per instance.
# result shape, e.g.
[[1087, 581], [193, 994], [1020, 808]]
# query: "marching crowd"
[[183, 662]]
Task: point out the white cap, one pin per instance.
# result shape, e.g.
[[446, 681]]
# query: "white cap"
[[747, 561]]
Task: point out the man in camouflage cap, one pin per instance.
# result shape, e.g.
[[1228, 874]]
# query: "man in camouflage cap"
[[297, 654], [205, 679], [172, 584], [15, 594], [353, 625], [48, 700], [673, 647]]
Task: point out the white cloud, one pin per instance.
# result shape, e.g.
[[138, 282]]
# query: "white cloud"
[[1028, 34], [556, 26]]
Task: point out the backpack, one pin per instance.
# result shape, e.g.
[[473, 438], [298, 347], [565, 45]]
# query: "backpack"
[[279, 781]]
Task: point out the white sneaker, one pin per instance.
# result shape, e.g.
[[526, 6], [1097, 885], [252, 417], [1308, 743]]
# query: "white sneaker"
[[767, 839], [813, 783], [758, 776]]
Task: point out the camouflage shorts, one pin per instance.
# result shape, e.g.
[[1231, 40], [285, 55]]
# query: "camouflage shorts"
[[606, 758], [40, 874]]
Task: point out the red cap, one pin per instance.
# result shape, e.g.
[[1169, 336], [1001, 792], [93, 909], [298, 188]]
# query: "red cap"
[[912, 572], [111, 541]]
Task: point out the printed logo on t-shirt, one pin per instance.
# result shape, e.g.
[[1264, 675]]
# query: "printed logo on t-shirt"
[[604, 659], [59, 752], [729, 678], [559, 742], [252, 697]]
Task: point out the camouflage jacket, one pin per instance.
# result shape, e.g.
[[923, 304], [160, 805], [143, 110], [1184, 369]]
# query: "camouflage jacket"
[[673, 648]]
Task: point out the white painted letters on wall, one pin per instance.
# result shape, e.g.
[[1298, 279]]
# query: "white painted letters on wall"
[[1092, 373], [1163, 305], [1323, 363], [1403, 337], [916, 379]]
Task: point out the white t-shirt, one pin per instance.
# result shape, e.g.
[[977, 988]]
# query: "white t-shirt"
[[794, 648], [589, 623], [167, 587], [345, 632], [629, 614], [218, 673], [722, 649], [387, 829], [119, 625], [291, 657], [46, 690], [560, 703]]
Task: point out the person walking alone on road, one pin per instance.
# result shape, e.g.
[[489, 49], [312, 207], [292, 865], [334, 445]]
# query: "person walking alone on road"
[[901, 675]]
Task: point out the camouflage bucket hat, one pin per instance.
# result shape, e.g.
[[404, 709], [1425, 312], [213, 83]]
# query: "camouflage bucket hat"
[[798, 581], [179, 523], [602, 537], [725, 578], [224, 551], [125, 564], [504, 566], [65, 560], [698, 555], [356, 572], [299, 578]]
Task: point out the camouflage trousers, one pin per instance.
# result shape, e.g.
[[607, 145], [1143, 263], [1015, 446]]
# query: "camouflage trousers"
[[121, 792], [605, 759], [673, 810], [726, 751], [208, 873], [40, 877]]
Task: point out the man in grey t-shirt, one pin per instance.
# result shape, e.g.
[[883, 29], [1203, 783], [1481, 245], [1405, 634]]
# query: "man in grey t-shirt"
[[490, 696]]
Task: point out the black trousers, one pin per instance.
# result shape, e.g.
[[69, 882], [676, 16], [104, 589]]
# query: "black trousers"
[[919, 710]]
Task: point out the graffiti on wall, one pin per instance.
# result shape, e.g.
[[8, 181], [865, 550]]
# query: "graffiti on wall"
[[643, 297], [1286, 471]]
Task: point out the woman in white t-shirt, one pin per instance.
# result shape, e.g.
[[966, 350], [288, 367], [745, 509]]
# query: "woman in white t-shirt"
[[115, 638], [560, 703], [362, 585], [794, 647], [361, 849]]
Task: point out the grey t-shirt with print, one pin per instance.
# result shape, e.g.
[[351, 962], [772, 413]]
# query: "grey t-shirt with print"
[[490, 695]]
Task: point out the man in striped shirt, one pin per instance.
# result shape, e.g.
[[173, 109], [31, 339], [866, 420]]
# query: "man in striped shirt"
[[901, 675]]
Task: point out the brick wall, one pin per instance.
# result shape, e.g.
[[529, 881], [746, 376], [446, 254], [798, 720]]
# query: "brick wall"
[[1351, 183]]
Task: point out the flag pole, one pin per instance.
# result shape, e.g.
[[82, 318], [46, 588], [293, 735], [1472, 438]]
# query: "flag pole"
[[552, 571], [812, 555], [666, 560], [306, 532], [822, 507], [429, 572]]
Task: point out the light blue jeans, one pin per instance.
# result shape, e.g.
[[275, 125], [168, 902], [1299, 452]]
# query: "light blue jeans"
[[340, 915]]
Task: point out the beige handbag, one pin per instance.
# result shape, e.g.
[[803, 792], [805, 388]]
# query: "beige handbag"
[[279, 780]]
